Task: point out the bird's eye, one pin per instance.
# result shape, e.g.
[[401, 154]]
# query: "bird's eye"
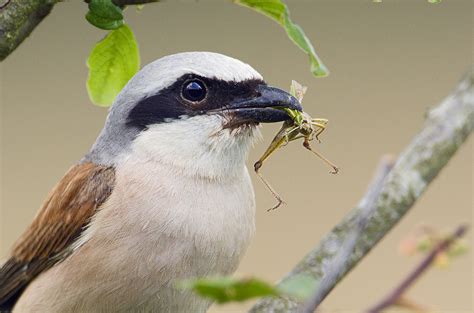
[[194, 91]]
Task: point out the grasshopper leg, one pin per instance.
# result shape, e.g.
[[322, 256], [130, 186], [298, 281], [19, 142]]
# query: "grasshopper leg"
[[334, 167], [280, 140], [298, 137], [274, 193], [314, 135], [320, 120], [317, 133], [321, 124], [289, 135]]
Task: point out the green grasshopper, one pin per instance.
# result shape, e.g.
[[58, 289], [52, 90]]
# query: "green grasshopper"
[[301, 125]]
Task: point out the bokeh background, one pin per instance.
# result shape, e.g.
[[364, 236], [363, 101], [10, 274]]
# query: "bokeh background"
[[389, 63]]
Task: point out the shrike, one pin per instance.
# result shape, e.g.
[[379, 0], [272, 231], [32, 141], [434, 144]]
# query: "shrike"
[[163, 195]]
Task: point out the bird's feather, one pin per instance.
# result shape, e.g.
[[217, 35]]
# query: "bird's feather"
[[59, 222]]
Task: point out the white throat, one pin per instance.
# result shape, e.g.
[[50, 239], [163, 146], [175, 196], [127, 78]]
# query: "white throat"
[[197, 146]]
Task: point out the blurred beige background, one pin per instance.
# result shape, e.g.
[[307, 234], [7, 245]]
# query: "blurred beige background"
[[389, 63]]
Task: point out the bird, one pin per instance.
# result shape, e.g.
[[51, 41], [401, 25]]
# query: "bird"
[[162, 196]]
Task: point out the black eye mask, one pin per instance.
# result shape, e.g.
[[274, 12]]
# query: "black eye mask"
[[190, 95]]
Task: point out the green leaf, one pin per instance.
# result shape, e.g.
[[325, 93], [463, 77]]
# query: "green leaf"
[[278, 11], [299, 286], [104, 14], [226, 289], [112, 62]]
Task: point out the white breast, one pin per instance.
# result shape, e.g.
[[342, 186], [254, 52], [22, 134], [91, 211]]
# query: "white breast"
[[185, 227], [165, 221]]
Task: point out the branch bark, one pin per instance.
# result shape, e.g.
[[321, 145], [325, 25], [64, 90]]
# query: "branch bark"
[[447, 126], [18, 18]]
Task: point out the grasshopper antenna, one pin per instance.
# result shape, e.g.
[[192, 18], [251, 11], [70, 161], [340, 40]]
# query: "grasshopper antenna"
[[334, 167], [257, 166]]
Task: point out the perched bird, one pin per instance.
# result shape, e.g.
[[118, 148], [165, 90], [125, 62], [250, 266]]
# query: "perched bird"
[[162, 196]]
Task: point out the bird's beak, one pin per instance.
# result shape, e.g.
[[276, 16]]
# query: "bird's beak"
[[263, 107]]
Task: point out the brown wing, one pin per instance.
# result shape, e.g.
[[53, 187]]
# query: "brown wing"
[[61, 219]]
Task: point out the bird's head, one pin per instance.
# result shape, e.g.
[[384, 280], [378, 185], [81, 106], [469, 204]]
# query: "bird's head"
[[193, 108]]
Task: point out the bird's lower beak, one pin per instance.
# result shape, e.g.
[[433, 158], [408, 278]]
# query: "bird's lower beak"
[[264, 108]]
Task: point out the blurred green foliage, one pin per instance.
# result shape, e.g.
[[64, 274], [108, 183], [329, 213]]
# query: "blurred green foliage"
[[227, 289]]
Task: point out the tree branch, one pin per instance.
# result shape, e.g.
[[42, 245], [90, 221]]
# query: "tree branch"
[[340, 262], [18, 18], [421, 268], [447, 126]]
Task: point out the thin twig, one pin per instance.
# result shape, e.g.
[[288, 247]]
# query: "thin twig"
[[421, 268], [447, 127], [409, 304], [367, 206]]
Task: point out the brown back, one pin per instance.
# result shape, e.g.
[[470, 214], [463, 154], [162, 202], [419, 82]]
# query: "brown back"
[[59, 222]]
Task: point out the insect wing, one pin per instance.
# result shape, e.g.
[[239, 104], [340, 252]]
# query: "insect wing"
[[297, 90]]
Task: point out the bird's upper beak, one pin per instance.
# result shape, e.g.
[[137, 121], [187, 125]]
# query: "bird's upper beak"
[[263, 107]]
